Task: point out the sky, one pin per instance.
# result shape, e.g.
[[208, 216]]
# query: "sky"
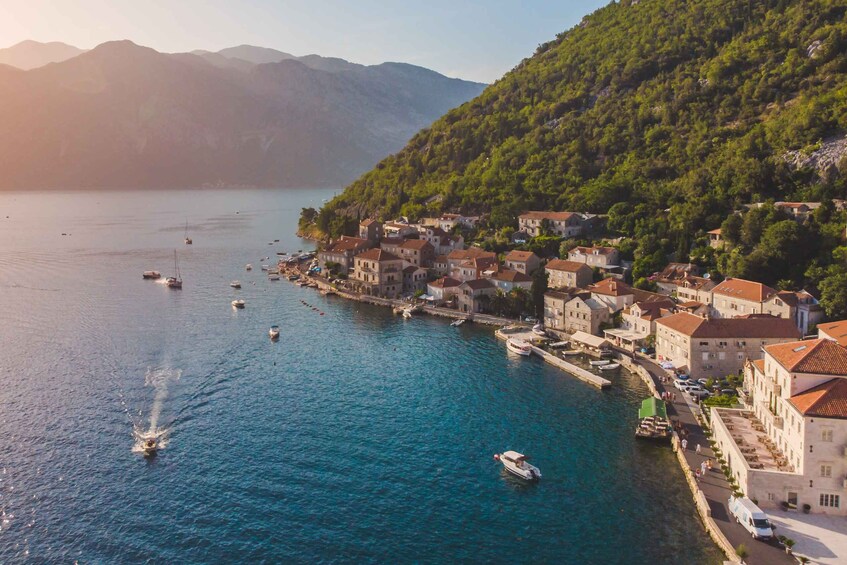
[[471, 39]]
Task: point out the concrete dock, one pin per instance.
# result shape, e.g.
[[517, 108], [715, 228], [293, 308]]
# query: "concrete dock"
[[578, 372]]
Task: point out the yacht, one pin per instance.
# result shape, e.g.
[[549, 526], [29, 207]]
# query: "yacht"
[[517, 464], [151, 275], [518, 346], [235, 284], [238, 303], [274, 332]]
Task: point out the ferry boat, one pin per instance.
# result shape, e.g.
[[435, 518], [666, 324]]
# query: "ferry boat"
[[238, 303], [653, 422], [517, 464], [235, 284], [518, 346], [151, 275], [274, 332]]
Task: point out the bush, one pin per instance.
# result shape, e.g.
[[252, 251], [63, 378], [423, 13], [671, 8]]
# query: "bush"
[[741, 551]]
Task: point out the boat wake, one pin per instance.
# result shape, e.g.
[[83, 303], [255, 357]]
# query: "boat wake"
[[159, 379]]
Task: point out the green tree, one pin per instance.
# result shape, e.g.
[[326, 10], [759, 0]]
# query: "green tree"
[[539, 287]]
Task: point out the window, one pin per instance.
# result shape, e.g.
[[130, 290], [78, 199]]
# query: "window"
[[771, 497], [831, 500], [826, 435], [826, 470]]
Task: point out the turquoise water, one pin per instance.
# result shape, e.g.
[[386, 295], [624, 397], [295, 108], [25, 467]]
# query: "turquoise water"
[[359, 436]]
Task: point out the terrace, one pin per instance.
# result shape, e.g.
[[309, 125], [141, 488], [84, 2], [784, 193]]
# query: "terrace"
[[749, 436]]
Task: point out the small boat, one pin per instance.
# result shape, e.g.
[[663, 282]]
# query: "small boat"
[[518, 346], [266, 267], [235, 284], [176, 280], [293, 277], [249, 267], [150, 447], [398, 310], [599, 363], [274, 332], [538, 329], [570, 353], [609, 367], [407, 314], [151, 275], [559, 344], [238, 303], [273, 277], [517, 464], [457, 323]]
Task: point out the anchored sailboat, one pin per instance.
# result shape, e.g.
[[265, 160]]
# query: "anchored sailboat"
[[176, 280]]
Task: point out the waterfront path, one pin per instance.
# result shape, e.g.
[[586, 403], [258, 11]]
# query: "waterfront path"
[[714, 486]]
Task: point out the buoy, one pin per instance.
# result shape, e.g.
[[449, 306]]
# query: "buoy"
[[497, 457]]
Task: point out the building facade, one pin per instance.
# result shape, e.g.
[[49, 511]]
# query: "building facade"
[[378, 273], [563, 224], [562, 274]]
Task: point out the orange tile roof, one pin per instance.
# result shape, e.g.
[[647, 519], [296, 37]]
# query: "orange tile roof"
[[611, 287], [445, 282], [378, 255], [507, 275], [731, 328], [538, 215], [520, 256], [470, 253], [760, 365], [745, 290], [415, 244], [814, 356], [836, 331], [715, 232], [827, 400], [567, 266], [367, 222]]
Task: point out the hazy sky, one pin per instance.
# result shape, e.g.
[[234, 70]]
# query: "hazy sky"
[[473, 39]]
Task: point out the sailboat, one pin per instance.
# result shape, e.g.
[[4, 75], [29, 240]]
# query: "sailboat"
[[187, 239], [175, 281]]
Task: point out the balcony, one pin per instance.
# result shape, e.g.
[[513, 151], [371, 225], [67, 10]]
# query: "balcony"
[[778, 422]]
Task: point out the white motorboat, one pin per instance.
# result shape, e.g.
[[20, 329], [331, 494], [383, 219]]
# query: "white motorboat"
[[517, 464], [458, 322], [570, 353], [249, 267], [599, 363], [538, 329], [609, 367], [273, 277], [235, 284], [274, 332], [266, 267], [407, 313], [150, 447], [559, 344], [238, 303], [518, 346], [151, 275]]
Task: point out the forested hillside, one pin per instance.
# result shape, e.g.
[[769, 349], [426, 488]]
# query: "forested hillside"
[[666, 114]]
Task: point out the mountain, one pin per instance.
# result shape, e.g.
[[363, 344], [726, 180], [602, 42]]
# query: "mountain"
[[122, 115], [651, 105], [247, 55], [32, 54]]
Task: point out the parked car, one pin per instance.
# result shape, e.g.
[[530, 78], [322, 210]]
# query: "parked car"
[[698, 393], [751, 517], [681, 385], [729, 392]]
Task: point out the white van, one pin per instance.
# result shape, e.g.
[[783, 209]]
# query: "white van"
[[751, 517]]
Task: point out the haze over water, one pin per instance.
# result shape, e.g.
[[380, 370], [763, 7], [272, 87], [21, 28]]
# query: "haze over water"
[[359, 436]]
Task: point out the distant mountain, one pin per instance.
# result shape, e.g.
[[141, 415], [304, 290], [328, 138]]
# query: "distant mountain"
[[246, 55], [122, 115], [32, 54]]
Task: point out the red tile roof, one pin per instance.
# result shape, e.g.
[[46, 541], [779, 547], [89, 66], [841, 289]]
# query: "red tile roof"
[[479, 284], [745, 290], [611, 287], [367, 222], [836, 331], [470, 253], [520, 256], [539, 215], [591, 250], [741, 328], [445, 282], [508, 275], [814, 356], [347, 244], [827, 400], [378, 255], [415, 244], [567, 266]]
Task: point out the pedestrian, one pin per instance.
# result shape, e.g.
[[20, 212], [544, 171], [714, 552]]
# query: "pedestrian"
[[709, 463], [684, 444], [673, 394], [697, 474], [698, 449], [703, 469]]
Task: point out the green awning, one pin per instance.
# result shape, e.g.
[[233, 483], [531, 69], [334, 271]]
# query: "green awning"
[[652, 407]]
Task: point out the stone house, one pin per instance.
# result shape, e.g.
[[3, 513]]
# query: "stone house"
[[615, 294], [794, 428], [597, 256], [417, 252], [674, 274], [716, 240], [341, 253], [585, 315], [554, 306], [695, 289], [710, 347], [563, 224], [443, 289], [525, 262], [562, 273], [370, 230], [414, 279], [508, 280], [799, 306], [739, 297], [474, 295], [378, 273]]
